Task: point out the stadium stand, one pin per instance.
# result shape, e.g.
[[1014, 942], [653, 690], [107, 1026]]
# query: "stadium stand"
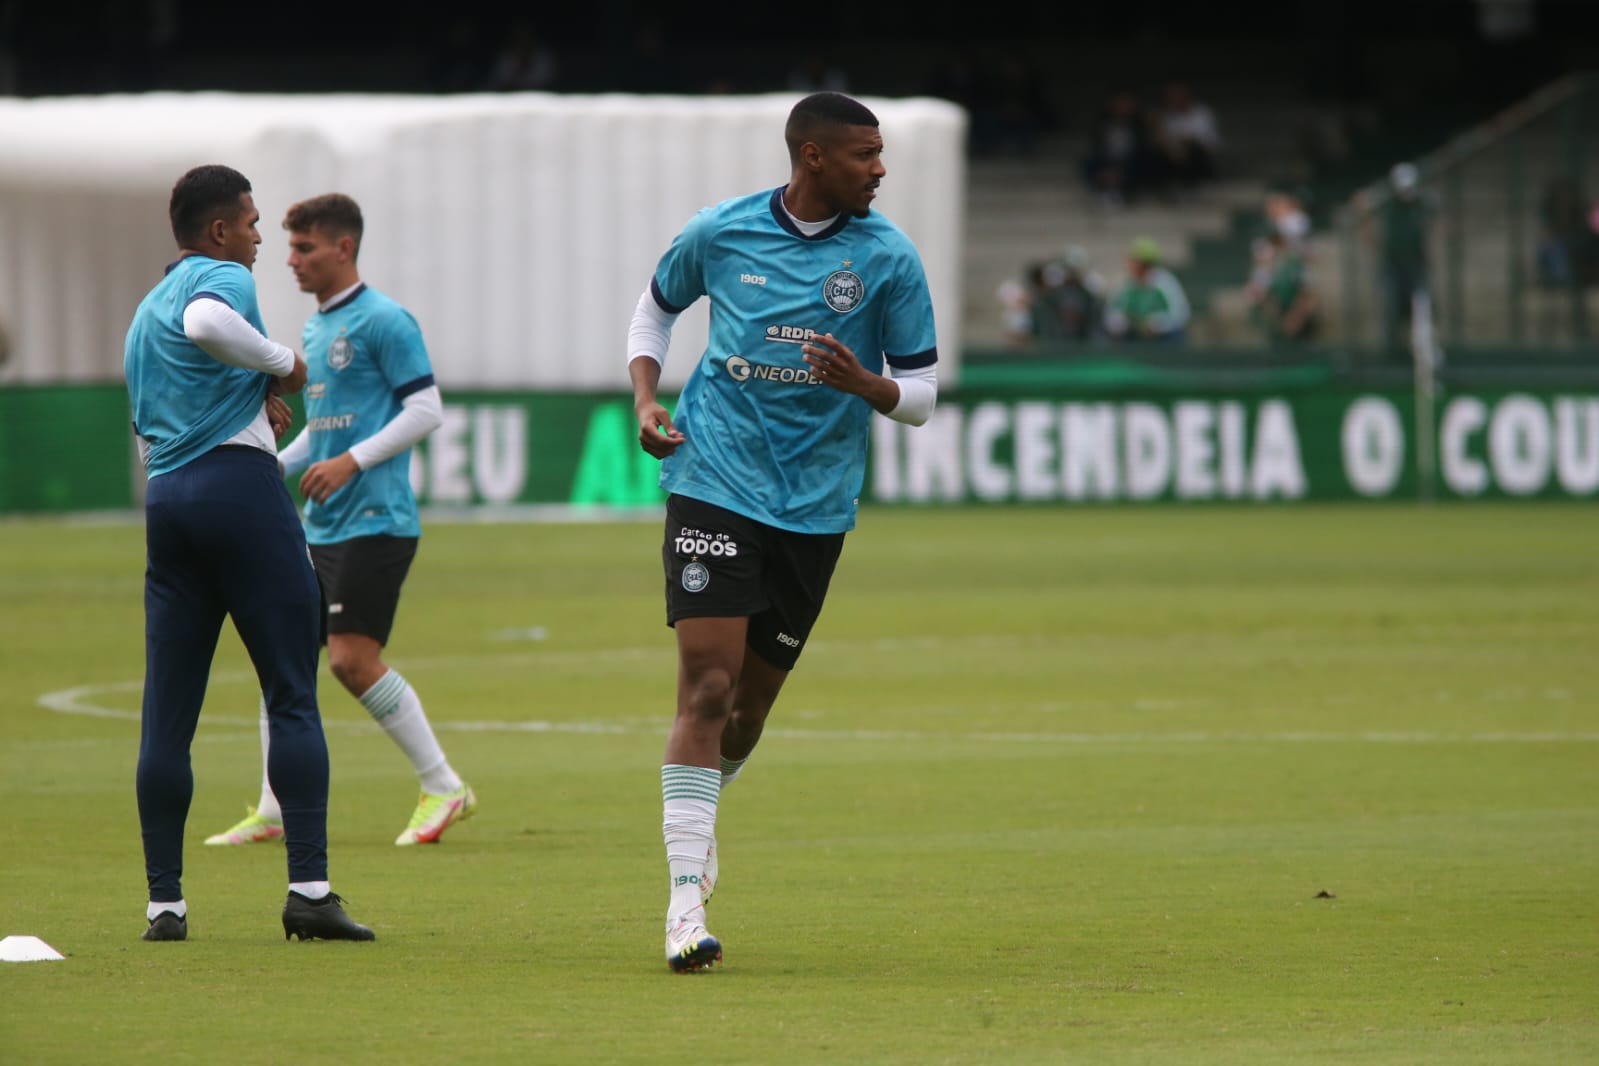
[[1320, 97]]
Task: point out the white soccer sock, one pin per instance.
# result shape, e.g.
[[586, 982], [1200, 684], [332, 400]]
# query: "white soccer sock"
[[312, 890], [152, 911], [267, 806], [688, 822], [731, 768], [395, 706]]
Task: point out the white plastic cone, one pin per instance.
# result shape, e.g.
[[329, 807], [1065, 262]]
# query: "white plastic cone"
[[27, 949]]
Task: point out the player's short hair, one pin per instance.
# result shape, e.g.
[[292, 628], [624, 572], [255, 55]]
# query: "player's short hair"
[[819, 114], [202, 195], [336, 213]]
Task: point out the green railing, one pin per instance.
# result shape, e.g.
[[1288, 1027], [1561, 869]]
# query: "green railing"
[[1512, 251]]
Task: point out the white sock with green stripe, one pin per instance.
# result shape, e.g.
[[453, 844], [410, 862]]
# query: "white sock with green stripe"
[[267, 807], [394, 705], [731, 768], [688, 800]]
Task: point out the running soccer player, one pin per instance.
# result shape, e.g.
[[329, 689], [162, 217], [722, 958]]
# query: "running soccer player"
[[811, 293], [222, 540], [370, 398]]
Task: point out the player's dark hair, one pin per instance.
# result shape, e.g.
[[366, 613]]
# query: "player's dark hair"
[[821, 113], [334, 212], [202, 195]]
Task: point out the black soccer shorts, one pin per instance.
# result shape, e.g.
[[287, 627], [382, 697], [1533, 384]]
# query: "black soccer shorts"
[[720, 564], [361, 579]]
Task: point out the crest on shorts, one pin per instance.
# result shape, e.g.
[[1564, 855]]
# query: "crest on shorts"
[[340, 352], [696, 577], [843, 290]]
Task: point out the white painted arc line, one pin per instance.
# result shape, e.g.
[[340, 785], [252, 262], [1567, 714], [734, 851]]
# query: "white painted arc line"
[[75, 701]]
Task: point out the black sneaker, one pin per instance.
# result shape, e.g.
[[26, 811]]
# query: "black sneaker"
[[320, 919], [166, 926]]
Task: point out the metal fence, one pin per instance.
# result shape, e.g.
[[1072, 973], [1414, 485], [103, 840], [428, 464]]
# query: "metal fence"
[[1509, 217]]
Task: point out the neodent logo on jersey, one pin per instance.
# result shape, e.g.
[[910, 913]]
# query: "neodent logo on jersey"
[[741, 369], [323, 423]]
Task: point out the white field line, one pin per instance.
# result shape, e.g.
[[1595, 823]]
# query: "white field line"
[[84, 700]]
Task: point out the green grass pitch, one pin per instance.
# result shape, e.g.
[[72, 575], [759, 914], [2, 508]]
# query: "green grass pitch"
[[1049, 785]]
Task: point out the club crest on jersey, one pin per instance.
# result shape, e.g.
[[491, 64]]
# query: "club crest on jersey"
[[696, 577], [843, 290], [341, 352]]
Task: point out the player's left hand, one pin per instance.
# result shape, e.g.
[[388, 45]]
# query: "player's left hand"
[[327, 477], [279, 415], [832, 362]]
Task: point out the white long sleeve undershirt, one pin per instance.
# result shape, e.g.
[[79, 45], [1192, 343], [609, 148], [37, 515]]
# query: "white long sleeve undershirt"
[[420, 414], [227, 336], [651, 330], [296, 455], [650, 334], [918, 392]]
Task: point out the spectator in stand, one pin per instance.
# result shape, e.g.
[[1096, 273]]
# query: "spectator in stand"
[[817, 72], [1286, 214], [1016, 310], [1068, 302], [1568, 246], [1019, 108], [1189, 137], [1122, 160], [461, 63], [525, 63], [954, 78], [1404, 222], [1282, 301], [1150, 304]]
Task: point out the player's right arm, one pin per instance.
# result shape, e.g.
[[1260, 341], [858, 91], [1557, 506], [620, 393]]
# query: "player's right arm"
[[226, 336], [678, 281], [648, 338]]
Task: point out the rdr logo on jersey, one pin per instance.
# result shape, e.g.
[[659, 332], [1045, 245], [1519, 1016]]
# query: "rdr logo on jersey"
[[843, 290], [341, 352], [790, 334]]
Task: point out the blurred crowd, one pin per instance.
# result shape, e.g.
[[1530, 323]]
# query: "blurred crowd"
[[1134, 153], [1065, 301]]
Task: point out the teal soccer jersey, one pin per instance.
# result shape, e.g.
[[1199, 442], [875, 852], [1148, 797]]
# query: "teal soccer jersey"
[[364, 354], [764, 437], [184, 402]]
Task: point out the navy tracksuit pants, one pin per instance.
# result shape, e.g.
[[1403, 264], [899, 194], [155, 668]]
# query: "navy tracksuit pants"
[[223, 540]]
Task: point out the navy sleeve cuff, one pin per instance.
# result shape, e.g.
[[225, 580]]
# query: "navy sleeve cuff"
[[665, 304], [423, 382], [209, 296], [912, 362]]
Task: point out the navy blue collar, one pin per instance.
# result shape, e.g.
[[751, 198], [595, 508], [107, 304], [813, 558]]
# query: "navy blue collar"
[[186, 255], [357, 291], [780, 213]]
